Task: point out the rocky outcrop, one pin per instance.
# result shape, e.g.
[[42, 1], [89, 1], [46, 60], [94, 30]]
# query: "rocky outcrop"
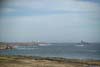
[[4, 47]]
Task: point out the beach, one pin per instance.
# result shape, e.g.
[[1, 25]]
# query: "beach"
[[36, 61]]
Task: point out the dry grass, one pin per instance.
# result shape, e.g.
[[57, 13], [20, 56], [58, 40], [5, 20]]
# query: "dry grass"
[[44, 62]]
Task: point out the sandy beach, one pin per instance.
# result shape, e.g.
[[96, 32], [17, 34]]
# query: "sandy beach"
[[22, 61]]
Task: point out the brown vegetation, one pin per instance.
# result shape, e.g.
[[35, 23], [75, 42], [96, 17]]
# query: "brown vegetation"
[[16, 61]]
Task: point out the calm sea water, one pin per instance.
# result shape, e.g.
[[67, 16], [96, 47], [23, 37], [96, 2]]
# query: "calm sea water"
[[90, 51]]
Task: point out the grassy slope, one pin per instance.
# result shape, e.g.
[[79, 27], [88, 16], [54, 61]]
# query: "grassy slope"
[[16, 61]]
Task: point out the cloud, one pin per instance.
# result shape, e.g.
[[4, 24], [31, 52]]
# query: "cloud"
[[43, 7], [68, 5], [68, 20], [64, 10], [7, 10], [95, 1], [51, 28], [54, 19]]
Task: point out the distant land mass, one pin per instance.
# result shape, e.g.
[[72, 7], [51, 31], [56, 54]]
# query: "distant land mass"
[[11, 45]]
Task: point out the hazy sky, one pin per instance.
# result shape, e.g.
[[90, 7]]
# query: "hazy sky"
[[50, 20]]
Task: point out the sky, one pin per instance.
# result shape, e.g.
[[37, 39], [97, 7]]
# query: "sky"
[[49, 20]]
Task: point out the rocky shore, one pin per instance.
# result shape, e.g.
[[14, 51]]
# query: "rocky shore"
[[5, 47]]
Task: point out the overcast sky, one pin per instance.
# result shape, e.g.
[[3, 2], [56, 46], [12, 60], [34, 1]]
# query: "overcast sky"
[[50, 20]]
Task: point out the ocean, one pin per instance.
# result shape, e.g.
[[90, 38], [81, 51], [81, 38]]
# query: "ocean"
[[65, 50]]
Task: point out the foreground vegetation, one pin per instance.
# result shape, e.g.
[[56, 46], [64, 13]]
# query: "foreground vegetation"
[[24, 61]]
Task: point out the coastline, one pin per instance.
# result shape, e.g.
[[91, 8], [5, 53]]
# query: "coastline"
[[37, 61]]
